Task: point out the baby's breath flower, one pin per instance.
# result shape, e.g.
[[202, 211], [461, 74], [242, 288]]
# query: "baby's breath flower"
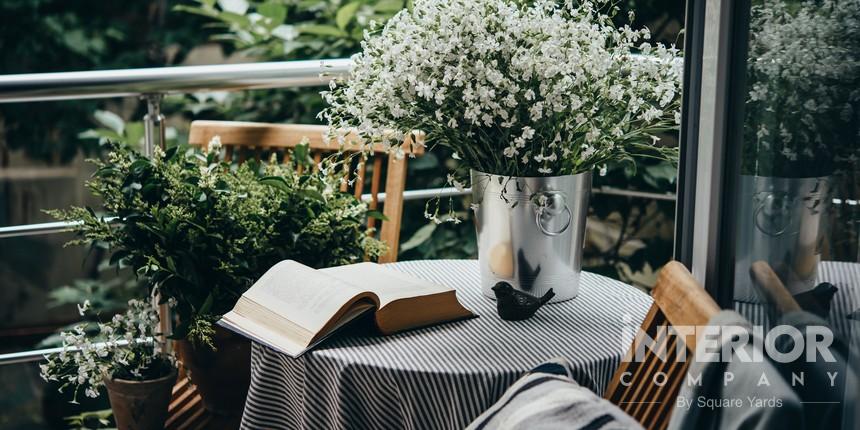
[[84, 307], [214, 144], [803, 74], [436, 67], [87, 359]]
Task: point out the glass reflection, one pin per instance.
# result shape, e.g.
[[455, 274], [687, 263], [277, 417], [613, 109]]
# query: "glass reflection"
[[797, 258]]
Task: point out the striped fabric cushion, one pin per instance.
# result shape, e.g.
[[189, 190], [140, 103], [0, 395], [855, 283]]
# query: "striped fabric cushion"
[[541, 400]]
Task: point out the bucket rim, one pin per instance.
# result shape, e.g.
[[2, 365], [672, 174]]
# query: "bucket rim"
[[493, 175]]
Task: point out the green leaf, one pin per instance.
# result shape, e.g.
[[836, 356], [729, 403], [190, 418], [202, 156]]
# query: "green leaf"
[[322, 30], [302, 155], [105, 171], [275, 181], [422, 235], [238, 7], [312, 194], [388, 6], [276, 12], [236, 19], [211, 13], [285, 32], [377, 215], [206, 307], [117, 256], [139, 165], [346, 13], [134, 132], [110, 120]]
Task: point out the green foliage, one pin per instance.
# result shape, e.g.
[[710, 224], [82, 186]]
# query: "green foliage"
[[309, 29], [287, 29], [112, 128], [632, 235], [104, 295], [101, 419], [62, 35], [201, 230]]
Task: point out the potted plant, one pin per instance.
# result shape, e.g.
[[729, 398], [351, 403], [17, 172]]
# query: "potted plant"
[[124, 356], [801, 120], [201, 231], [531, 97]]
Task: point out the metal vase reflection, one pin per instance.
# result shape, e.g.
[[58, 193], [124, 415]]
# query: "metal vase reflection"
[[781, 222], [531, 231]]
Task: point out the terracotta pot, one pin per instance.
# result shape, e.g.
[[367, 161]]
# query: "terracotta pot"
[[140, 405], [222, 376]]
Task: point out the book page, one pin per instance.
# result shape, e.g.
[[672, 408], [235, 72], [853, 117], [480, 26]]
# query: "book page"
[[388, 284], [284, 342], [307, 297]]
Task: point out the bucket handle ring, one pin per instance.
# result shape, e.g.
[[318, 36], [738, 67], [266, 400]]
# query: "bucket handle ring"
[[540, 212]]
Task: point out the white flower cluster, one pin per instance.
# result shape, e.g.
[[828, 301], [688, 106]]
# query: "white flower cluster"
[[543, 89], [124, 345], [802, 107]]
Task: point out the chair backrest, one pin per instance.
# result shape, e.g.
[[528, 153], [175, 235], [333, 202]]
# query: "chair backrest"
[[678, 301], [243, 140], [771, 288]]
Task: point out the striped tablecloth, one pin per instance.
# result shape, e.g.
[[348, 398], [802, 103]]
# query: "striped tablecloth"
[[441, 377], [844, 275]]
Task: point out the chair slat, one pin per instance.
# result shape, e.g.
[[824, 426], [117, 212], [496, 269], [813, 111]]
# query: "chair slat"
[[641, 381], [375, 179], [317, 160], [657, 393], [359, 179], [395, 183], [243, 153], [344, 186]]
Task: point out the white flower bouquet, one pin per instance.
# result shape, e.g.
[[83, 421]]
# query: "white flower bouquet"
[[518, 90], [123, 348]]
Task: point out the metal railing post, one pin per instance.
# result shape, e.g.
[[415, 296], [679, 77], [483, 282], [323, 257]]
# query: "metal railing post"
[[154, 136], [153, 124]]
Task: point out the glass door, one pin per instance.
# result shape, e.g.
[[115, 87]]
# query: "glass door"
[[770, 224]]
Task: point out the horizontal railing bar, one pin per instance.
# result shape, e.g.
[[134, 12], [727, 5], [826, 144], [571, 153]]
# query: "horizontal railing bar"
[[35, 229], [32, 87], [429, 193], [612, 191], [39, 354]]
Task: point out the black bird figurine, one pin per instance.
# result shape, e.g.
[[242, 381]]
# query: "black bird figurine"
[[514, 305], [818, 299]]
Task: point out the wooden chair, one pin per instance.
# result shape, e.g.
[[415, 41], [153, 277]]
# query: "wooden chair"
[[243, 140], [771, 288], [678, 301], [186, 410]]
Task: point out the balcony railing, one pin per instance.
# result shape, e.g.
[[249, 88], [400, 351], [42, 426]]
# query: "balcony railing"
[[152, 84]]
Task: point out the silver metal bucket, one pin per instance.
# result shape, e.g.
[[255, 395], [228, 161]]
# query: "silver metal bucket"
[[531, 231], [780, 221]]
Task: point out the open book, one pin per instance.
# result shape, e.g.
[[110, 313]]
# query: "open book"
[[293, 307]]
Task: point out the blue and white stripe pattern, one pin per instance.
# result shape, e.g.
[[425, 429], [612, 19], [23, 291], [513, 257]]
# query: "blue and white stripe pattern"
[[844, 275], [441, 377]]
